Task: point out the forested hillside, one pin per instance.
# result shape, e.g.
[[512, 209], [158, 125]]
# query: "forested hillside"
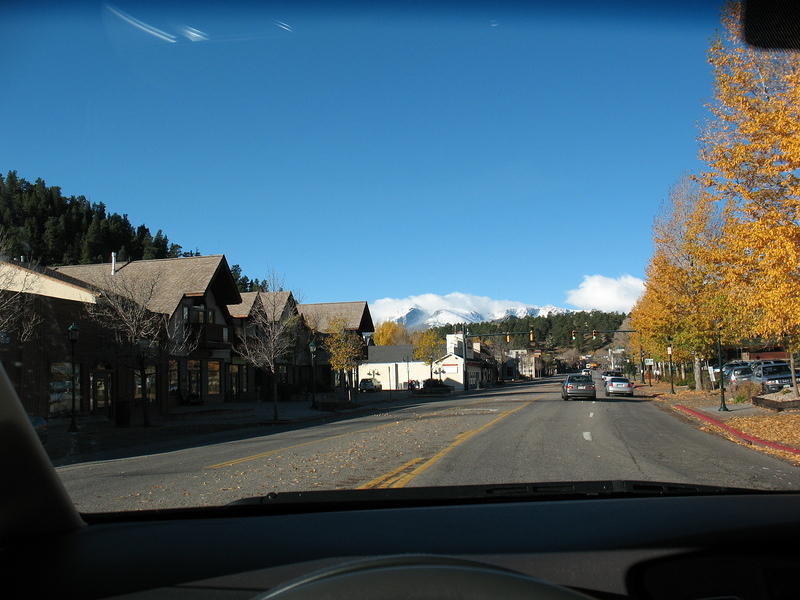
[[552, 331], [45, 226]]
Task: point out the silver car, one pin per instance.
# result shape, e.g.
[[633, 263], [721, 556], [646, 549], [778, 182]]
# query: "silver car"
[[578, 386], [619, 385]]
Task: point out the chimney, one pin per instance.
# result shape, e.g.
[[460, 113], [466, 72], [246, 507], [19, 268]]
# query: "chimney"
[[113, 263]]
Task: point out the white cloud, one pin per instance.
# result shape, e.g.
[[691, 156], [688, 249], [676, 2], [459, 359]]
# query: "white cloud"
[[598, 292], [461, 307]]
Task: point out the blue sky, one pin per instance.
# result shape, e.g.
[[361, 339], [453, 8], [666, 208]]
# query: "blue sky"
[[368, 153]]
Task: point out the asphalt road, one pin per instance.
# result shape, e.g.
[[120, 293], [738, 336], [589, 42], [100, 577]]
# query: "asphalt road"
[[519, 433]]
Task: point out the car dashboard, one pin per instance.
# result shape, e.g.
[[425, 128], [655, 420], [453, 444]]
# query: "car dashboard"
[[693, 547]]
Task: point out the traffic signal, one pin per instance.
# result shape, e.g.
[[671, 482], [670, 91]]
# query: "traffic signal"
[[573, 335], [508, 338], [594, 334], [532, 337]]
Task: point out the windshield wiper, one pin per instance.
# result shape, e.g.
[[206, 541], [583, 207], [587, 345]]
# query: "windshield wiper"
[[478, 494]]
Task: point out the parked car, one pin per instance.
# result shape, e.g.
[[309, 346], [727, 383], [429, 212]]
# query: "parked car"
[[368, 385], [619, 385], [772, 377], [578, 386], [739, 374]]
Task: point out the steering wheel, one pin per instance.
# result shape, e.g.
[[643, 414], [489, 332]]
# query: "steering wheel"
[[418, 577]]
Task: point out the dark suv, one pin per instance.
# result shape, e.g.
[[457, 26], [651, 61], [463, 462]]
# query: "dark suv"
[[772, 376], [578, 386]]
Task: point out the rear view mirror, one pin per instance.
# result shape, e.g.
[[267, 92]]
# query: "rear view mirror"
[[772, 24]]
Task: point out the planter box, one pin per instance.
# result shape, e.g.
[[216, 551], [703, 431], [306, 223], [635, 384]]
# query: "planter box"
[[775, 404]]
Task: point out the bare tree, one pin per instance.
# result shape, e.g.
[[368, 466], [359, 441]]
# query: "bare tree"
[[17, 280], [122, 307], [270, 333]]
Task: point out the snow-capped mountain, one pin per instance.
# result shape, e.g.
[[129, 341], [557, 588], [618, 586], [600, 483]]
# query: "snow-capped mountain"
[[433, 310]]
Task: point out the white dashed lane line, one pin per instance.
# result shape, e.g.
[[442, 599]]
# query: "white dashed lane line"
[[591, 414], [587, 435]]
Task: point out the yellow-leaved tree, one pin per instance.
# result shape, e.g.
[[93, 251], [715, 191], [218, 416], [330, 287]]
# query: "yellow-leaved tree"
[[752, 149], [390, 333], [685, 305], [428, 347], [345, 349]]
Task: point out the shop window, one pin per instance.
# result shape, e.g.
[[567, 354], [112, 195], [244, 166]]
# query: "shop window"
[[193, 370], [234, 376], [173, 378], [61, 388], [149, 390], [214, 377]]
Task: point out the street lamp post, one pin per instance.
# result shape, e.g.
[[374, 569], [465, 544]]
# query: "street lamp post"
[[722, 406], [671, 378], [641, 360], [312, 347], [72, 336]]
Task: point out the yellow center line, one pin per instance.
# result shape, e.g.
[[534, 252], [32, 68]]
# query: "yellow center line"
[[460, 439], [387, 476], [236, 461]]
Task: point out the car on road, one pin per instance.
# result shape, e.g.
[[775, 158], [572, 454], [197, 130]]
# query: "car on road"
[[368, 385], [619, 385], [609, 374], [578, 386], [586, 372], [772, 377]]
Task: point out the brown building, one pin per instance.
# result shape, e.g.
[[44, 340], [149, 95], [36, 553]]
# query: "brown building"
[[188, 292]]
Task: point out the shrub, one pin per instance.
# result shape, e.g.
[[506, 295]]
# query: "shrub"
[[744, 391], [433, 383]]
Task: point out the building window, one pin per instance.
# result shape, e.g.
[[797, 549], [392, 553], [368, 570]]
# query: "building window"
[[234, 377], [198, 314], [173, 379], [211, 317], [244, 378], [283, 375], [185, 313], [61, 388], [150, 383], [193, 369], [213, 377]]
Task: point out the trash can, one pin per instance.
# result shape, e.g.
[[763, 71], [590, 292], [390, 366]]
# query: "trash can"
[[123, 414]]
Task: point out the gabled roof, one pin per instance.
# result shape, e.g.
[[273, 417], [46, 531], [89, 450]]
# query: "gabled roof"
[[355, 314], [391, 354], [174, 278], [41, 281], [243, 309]]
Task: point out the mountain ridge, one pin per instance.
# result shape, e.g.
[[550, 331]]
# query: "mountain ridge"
[[432, 310]]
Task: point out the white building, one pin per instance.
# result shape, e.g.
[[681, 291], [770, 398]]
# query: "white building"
[[392, 367]]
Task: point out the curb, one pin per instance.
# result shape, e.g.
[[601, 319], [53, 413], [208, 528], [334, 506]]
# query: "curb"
[[737, 432]]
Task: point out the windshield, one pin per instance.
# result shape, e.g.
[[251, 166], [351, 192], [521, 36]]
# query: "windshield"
[[256, 247], [776, 370]]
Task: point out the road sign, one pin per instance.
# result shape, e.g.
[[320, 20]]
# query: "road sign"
[[669, 349], [649, 362]]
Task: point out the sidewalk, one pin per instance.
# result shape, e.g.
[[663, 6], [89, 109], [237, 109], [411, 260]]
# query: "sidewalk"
[[98, 437]]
